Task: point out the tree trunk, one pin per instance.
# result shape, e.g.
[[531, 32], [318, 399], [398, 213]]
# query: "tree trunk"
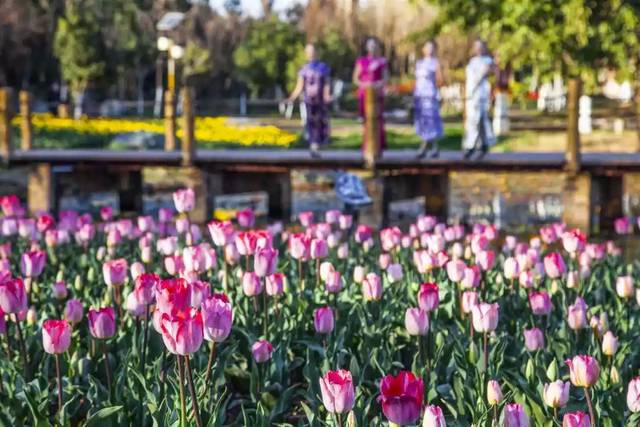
[[140, 83], [78, 99], [572, 152]]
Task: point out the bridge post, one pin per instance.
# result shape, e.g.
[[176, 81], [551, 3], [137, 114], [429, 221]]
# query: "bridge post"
[[572, 152], [577, 201], [169, 122], [371, 143], [40, 188], [188, 143], [25, 120], [5, 123]]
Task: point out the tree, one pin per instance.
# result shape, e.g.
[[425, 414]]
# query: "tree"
[[261, 59], [80, 49]]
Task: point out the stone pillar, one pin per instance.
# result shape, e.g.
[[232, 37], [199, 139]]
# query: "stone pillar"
[[40, 188], [169, 122], [25, 120], [501, 124], [577, 204], [584, 119], [375, 214], [572, 152], [63, 111], [371, 143], [188, 143], [5, 123]]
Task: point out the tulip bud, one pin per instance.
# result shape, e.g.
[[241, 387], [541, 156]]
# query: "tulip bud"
[[529, 371], [351, 420], [472, 354], [494, 393], [77, 283], [552, 370], [614, 376], [32, 316], [609, 344]]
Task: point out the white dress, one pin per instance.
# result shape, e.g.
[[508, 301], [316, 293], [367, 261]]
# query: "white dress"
[[478, 98]]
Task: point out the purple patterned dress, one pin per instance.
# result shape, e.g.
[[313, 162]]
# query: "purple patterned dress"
[[426, 117], [315, 75]]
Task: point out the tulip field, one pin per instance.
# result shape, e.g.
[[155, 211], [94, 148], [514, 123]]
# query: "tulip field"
[[158, 321]]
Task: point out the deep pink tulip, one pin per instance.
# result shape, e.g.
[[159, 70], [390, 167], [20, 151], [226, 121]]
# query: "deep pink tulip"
[[318, 249], [306, 218], [11, 205], [73, 311], [184, 200], [261, 351], [13, 296], [246, 218], [554, 265], [172, 295], [45, 222], [401, 397], [32, 263], [428, 297], [182, 331], [485, 317], [323, 320], [584, 370], [106, 213], [622, 225], [102, 322], [145, 287], [363, 233], [576, 419], [338, 393], [485, 260], [540, 303], [56, 336], [114, 272], [265, 261], [217, 315], [165, 214]]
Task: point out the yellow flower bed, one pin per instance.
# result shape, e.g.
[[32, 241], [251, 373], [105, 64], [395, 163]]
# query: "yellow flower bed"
[[211, 129]]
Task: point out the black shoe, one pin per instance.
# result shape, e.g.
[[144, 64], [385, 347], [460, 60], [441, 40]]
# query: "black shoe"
[[422, 152], [435, 153], [483, 151], [467, 154]]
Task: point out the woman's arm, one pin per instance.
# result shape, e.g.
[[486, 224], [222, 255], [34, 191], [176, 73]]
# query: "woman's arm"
[[297, 91], [326, 95], [356, 75]]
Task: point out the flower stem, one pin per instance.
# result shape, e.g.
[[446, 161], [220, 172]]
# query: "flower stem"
[[183, 405], [23, 348], [266, 315], [59, 377], [212, 354], [486, 353], [145, 336], [592, 416], [106, 366], [192, 390]]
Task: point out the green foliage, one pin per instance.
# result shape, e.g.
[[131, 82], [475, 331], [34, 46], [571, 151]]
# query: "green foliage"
[[196, 61], [79, 46], [262, 58]]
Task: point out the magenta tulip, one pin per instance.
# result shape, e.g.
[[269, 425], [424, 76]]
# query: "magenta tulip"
[[13, 296], [261, 351], [56, 336], [323, 320], [514, 416], [217, 316], [73, 311], [576, 419], [182, 331], [32, 263], [401, 397], [265, 261], [102, 322], [428, 297], [533, 339]]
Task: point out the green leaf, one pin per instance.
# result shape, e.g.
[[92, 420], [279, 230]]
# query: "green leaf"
[[102, 414]]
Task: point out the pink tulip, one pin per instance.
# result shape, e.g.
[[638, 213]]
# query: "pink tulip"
[[261, 351], [345, 222], [102, 322], [32, 263], [584, 370], [200, 290], [533, 339], [338, 393], [246, 218], [114, 237], [334, 282], [26, 227], [428, 297], [359, 273], [299, 246], [343, 251], [486, 260], [622, 225], [363, 233], [59, 290], [168, 245], [114, 272], [416, 321], [56, 336], [485, 317], [318, 249], [13, 296], [274, 284], [184, 200], [172, 295], [146, 223], [222, 232], [11, 205], [540, 303], [401, 397], [554, 265], [165, 215], [133, 306], [511, 269], [251, 284], [106, 213], [556, 394], [390, 238], [265, 261], [182, 331], [45, 222], [576, 419], [577, 315], [525, 279], [479, 243], [73, 311], [145, 287], [433, 417], [471, 277], [174, 265], [217, 316], [514, 416], [455, 270], [633, 395], [573, 241], [323, 320], [494, 393], [306, 218], [469, 300], [394, 273], [193, 259], [372, 287], [332, 216]]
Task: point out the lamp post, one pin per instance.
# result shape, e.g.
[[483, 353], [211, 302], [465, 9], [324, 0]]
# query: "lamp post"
[[174, 52]]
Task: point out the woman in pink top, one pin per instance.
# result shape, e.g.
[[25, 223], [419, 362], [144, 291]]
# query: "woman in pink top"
[[371, 70]]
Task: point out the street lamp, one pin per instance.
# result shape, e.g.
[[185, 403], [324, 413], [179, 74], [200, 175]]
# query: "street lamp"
[[174, 52]]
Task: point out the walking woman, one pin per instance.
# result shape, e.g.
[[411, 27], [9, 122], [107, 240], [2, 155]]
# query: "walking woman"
[[314, 82], [478, 134], [427, 119], [371, 71]]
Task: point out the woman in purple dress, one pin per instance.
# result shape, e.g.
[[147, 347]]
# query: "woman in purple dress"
[[371, 71], [314, 83], [426, 111]]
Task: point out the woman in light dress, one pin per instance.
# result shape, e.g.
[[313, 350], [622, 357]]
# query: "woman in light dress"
[[427, 120]]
